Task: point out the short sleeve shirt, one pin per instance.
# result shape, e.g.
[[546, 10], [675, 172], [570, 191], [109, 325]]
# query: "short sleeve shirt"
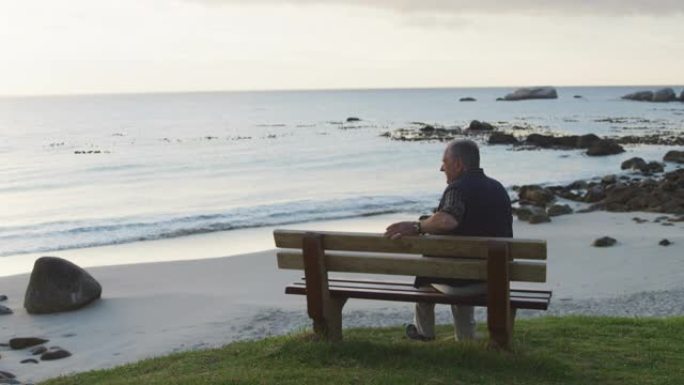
[[452, 203]]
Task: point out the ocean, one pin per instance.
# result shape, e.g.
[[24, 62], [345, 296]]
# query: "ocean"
[[82, 171]]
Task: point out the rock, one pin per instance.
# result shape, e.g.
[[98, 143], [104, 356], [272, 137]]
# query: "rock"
[[6, 375], [3, 298], [532, 93], [29, 361], [674, 156], [664, 95], [605, 147], [595, 194], [556, 210], [524, 213], [25, 342], [654, 167], [476, 125], [604, 242], [609, 179], [681, 96], [578, 96], [665, 242], [4, 310], [38, 350], [635, 163], [641, 96], [586, 141], [539, 218], [55, 354], [501, 138], [58, 285], [353, 119], [467, 99], [536, 195]]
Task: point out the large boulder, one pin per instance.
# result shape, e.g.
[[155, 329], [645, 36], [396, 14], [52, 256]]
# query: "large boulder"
[[533, 93], [664, 95], [535, 195], [674, 156], [635, 163], [605, 147], [641, 96], [58, 285]]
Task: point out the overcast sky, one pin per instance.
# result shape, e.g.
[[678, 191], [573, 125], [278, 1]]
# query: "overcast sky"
[[98, 46]]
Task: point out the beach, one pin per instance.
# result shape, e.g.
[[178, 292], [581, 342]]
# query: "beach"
[[156, 308]]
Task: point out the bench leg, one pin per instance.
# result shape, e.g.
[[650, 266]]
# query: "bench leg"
[[514, 311], [329, 327]]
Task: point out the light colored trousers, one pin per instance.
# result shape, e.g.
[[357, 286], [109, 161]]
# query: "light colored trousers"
[[464, 316]]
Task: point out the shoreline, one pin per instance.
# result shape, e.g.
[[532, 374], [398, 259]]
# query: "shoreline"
[[157, 308]]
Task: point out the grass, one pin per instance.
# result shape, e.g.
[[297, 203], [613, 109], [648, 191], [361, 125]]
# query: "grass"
[[567, 350]]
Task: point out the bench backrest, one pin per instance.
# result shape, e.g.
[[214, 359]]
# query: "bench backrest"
[[449, 256]]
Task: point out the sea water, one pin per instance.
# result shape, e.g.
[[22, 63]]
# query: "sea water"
[[81, 171]]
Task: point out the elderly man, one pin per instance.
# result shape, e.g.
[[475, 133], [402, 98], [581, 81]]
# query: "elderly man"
[[472, 205]]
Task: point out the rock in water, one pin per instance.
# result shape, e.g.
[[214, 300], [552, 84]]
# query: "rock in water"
[[3, 298], [29, 361], [58, 285], [501, 138], [4, 310], [25, 342], [665, 242], [641, 96], [55, 354], [604, 242], [467, 99], [605, 147], [674, 156], [635, 163], [353, 119], [533, 93], [664, 95], [681, 96], [556, 210], [476, 125], [38, 350]]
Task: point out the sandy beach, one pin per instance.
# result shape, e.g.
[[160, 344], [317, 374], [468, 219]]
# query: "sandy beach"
[[152, 309]]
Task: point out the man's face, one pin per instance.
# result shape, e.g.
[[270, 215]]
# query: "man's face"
[[451, 166]]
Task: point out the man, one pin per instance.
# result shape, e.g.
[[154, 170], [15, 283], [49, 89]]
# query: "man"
[[472, 205]]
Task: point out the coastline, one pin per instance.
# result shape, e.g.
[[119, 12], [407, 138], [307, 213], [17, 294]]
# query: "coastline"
[[152, 309]]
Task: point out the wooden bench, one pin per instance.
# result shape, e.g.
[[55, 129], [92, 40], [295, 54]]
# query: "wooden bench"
[[498, 261]]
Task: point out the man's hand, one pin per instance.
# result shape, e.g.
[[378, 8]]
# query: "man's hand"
[[399, 229]]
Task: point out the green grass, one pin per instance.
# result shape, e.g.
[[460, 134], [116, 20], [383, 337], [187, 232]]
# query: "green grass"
[[567, 350]]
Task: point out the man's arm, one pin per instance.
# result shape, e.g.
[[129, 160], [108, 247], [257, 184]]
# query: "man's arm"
[[439, 223]]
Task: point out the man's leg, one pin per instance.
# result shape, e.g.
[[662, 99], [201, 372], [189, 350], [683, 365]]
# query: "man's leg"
[[424, 319], [464, 322]]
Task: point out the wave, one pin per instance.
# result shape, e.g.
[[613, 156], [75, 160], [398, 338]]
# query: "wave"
[[62, 235]]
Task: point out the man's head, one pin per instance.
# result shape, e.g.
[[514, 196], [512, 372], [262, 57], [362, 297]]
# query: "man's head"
[[459, 157]]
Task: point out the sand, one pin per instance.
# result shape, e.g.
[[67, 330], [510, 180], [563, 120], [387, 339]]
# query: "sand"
[[152, 309]]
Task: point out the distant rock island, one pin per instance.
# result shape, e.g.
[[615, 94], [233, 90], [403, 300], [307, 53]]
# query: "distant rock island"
[[531, 93], [659, 96]]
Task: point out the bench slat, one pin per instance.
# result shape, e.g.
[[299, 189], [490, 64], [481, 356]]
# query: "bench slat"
[[414, 265], [517, 302], [434, 245]]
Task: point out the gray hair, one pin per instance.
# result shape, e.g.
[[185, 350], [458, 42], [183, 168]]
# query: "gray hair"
[[466, 151]]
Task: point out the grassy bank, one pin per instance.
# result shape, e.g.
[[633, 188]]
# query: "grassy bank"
[[568, 350]]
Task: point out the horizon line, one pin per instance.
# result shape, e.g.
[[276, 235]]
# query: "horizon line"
[[352, 89]]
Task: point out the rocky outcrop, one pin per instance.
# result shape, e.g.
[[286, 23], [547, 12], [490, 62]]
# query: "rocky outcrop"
[[661, 95], [605, 147], [25, 342], [532, 93], [674, 156], [641, 96], [664, 95], [639, 164], [467, 99], [501, 138], [664, 196], [58, 285], [476, 125], [536, 195], [563, 142]]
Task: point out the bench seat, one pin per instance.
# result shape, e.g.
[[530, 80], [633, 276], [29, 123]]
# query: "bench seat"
[[405, 292]]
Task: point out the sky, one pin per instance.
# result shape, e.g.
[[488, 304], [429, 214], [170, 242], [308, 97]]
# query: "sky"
[[98, 46]]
